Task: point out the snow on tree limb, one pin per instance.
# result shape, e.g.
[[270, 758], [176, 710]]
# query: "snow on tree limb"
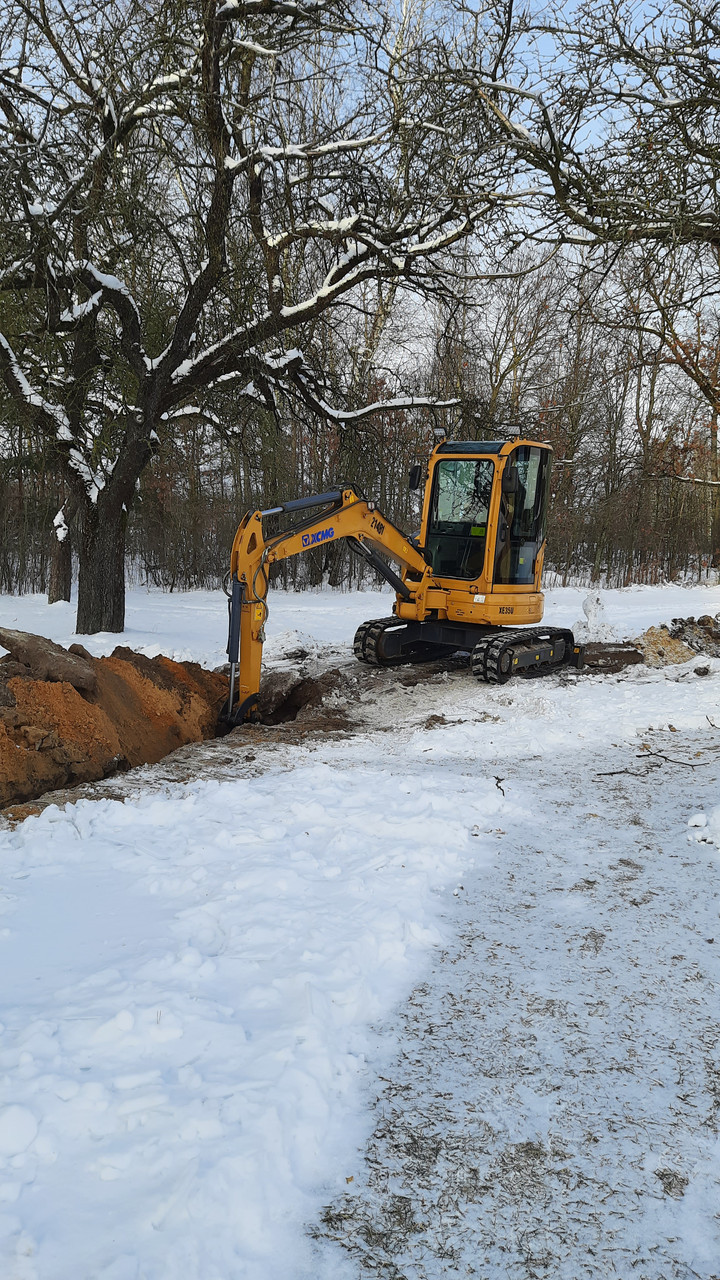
[[52, 415], [395, 404]]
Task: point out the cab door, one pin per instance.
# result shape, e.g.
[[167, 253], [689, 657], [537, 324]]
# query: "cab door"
[[458, 517], [522, 515]]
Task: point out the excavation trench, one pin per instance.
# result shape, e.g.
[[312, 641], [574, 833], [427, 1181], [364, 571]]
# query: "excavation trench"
[[68, 718]]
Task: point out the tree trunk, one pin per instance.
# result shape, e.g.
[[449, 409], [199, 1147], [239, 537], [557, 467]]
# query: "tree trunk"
[[714, 493], [101, 580], [60, 580]]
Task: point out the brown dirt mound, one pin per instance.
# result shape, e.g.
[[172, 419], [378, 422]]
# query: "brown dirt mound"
[[132, 710], [661, 649]]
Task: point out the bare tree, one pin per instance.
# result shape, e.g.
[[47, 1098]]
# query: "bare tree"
[[615, 112], [185, 190]]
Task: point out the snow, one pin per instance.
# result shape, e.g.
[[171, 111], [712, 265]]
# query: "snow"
[[18, 1130], [192, 981], [253, 47], [81, 309], [107, 281], [192, 625], [705, 827], [208, 982], [60, 526]]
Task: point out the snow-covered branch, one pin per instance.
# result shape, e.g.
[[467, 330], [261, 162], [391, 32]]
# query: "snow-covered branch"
[[396, 404], [52, 415]]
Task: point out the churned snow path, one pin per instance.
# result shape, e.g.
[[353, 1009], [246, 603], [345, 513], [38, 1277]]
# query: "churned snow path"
[[549, 1099]]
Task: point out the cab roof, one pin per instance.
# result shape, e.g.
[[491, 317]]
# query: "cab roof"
[[485, 446], [470, 446]]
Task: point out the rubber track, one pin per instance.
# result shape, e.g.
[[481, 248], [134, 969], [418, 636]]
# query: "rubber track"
[[487, 654], [366, 641], [493, 656]]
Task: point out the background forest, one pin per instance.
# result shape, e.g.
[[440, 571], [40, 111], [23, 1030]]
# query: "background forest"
[[627, 428], [254, 251]]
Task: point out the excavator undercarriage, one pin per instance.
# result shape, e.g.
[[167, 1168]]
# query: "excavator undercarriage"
[[494, 656]]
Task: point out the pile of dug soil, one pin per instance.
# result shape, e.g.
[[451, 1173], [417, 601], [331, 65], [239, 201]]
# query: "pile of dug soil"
[[681, 641], [67, 717], [661, 649]]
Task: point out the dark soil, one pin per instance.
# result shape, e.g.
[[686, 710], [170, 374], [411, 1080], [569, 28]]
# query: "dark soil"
[[702, 635]]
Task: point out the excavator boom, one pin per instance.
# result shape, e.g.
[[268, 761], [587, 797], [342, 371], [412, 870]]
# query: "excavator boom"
[[344, 515]]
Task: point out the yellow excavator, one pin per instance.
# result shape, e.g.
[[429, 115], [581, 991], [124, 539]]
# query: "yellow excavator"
[[470, 580]]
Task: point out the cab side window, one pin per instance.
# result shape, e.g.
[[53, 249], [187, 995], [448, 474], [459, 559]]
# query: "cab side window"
[[521, 526]]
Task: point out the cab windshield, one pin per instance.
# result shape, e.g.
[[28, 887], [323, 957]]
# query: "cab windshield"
[[457, 528]]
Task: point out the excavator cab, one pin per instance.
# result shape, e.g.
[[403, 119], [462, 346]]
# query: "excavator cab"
[[458, 520], [468, 581]]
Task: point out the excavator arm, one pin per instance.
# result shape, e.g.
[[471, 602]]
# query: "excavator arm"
[[344, 514]]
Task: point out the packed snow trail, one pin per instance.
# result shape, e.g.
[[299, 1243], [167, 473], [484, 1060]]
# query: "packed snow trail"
[[549, 1103]]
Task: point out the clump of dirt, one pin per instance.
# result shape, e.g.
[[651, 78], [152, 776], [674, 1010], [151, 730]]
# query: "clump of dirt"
[[673, 1182], [47, 660], [68, 718], [661, 649], [287, 695]]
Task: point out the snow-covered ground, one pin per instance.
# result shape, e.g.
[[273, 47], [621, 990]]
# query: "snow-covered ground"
[[548, 1099], [192, 625], [203, 987]]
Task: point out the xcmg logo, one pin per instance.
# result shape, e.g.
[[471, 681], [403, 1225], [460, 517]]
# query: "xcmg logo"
[[322, 535]]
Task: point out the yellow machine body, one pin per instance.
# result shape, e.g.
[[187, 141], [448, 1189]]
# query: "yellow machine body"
[[477, 562]]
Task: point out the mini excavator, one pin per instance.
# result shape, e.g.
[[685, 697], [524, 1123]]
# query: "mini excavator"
[[469, 581]]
